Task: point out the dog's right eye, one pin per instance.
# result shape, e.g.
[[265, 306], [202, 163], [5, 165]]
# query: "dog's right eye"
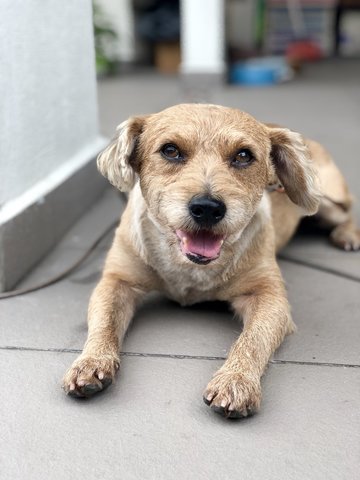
[[171, 152], [243, 158]]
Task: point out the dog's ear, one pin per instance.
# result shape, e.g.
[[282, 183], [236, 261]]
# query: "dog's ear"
[[115, 161], [295, 169]]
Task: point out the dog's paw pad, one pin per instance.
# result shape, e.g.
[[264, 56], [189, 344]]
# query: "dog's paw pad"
[[90, 375], [233, 395]]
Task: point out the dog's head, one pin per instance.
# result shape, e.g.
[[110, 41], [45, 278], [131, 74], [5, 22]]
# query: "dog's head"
[[203, 170]]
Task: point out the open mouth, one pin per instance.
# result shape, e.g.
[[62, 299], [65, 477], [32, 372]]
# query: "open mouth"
[[200, 247]]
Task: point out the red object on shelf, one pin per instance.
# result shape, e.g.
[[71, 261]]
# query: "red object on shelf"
[[303, 50]]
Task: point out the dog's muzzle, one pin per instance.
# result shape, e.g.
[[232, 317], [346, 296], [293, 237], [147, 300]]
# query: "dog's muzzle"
[[202, 245]]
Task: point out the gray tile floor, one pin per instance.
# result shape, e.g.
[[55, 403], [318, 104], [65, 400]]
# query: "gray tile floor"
[[152, 424]]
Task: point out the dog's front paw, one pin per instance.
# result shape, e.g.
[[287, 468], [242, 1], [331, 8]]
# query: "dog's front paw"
[[233, 395], [90, 374]]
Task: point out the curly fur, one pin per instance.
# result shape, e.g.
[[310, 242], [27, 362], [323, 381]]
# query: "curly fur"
[[146, 254]]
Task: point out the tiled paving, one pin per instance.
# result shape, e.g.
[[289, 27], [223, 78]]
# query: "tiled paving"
[[152, 423]]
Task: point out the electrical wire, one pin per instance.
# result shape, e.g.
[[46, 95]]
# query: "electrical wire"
[[72, 268], [65, 273]]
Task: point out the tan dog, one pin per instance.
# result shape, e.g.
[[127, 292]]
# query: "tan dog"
[[201, 225]]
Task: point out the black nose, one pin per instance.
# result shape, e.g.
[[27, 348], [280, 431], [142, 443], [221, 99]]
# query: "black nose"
[[207, 211]]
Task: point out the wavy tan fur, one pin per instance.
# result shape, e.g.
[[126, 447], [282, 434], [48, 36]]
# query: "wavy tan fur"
[[145, 255]]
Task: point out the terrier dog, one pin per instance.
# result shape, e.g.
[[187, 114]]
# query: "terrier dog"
[[202, 224]]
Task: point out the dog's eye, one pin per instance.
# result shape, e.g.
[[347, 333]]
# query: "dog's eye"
[[243, 158], [171, 152]]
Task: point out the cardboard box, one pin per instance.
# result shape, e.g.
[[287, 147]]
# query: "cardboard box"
[[167, 57]]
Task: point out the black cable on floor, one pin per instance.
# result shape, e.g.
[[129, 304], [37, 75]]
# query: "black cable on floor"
[[72, 268], [65, 273]]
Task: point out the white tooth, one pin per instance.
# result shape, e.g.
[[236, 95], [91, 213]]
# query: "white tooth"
[[221, 242], [184, 240]]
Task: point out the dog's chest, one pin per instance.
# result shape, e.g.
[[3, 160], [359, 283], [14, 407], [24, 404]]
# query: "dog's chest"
[[188, 286], [185, 282]]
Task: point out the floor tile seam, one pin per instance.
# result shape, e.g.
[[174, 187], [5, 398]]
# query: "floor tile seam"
[[179, 356], [319, 268]]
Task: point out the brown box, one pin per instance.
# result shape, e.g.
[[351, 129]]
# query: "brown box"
[[167, 57]]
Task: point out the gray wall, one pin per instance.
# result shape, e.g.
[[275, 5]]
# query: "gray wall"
[[48, 127], [47, 89]]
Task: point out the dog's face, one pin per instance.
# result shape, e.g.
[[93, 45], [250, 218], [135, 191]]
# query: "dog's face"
[[203, 170]]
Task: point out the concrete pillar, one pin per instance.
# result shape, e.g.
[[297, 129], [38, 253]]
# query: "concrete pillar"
[[202, 46], [49, 132], [202, 37]]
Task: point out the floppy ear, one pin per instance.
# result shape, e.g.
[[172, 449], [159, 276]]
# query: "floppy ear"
[[114, 161], [295, 169]]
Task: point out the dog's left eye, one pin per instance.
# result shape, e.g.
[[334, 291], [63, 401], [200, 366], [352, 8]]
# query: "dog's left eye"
[[171, 152], [243, 158]]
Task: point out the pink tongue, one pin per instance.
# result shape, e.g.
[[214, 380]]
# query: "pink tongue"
[[202, 243]]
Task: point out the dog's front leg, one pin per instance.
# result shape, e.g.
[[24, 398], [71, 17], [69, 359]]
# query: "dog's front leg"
[[235, 388], [111, 308]]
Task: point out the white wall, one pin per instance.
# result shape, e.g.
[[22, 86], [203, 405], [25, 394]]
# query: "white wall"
[[48, 106]]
